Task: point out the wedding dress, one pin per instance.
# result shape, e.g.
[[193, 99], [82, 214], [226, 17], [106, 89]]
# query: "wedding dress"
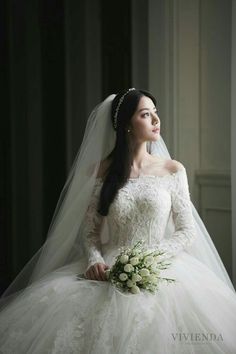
[[66, 313]]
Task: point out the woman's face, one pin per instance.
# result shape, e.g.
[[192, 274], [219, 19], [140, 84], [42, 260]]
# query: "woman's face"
[[145, 123]]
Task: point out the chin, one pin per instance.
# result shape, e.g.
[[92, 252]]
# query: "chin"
[[155, 138]]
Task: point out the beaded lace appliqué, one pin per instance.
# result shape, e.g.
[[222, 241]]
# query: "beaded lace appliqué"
[[141, 209]]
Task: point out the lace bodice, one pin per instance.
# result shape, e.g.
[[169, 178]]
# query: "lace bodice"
[[141, 210]]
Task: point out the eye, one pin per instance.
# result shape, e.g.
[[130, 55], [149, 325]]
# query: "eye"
[[156, 110], [146, 114]]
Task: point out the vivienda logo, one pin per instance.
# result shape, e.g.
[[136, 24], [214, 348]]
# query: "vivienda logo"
[[196, 338]]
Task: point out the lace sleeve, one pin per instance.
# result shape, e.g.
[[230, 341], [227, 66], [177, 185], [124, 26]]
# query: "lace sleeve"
[[185, 231], [91, 229]]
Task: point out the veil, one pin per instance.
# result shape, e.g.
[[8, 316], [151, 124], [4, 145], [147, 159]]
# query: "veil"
[[63, 244]]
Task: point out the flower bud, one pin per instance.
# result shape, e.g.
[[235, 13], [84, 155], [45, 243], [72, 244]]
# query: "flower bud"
[[123, 277], [128, 268], [148, 261], [129, 283], [136, 277], [124, 259], [135, 289], [134, 261], [144, 272], [152, 278]]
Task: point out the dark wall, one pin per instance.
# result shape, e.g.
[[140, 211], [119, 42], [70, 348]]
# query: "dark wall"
[[36, 151], [33, 134], [5, 160], [116, 45], [52, 30]]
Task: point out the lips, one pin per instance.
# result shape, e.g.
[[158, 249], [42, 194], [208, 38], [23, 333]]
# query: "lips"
[[156, 130]]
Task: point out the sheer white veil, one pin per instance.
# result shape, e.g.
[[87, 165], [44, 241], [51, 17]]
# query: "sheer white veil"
[[63, 244]]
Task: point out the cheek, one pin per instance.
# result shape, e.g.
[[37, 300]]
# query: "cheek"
[[139, 128], [142, 127]]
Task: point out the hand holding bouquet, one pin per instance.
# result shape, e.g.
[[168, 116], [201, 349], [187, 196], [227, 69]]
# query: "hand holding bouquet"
[[136, 269]]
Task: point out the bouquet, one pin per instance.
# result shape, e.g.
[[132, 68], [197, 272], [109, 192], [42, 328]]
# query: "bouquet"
[[136, 268]]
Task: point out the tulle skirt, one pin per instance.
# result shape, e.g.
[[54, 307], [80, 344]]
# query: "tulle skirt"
[[65, 314]]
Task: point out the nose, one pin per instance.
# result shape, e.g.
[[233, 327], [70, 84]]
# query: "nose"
[[155, 119]]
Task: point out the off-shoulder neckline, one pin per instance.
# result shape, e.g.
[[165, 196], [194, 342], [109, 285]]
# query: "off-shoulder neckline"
[[149, 176]]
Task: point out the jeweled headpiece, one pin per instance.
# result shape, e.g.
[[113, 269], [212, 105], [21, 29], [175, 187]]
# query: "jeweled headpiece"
[[118, 106]]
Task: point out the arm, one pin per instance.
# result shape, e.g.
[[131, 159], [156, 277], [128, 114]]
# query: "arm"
[[92, 227], [185, 231]]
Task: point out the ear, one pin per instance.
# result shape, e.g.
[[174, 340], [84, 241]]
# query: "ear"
[[129, 127]]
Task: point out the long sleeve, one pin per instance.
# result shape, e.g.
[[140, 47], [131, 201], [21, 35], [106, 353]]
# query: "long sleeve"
[[92, 226], [185, 231]]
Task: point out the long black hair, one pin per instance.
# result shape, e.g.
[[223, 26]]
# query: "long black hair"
[[119, 168]]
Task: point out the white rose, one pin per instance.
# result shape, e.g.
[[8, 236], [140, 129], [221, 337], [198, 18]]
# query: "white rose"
[[144, 272], [135, 252], [124, 258], [128, 268], [134, 260], [129, 283], [135, 289], [152, 278], [148, 260], [123, 277], [154, 267], [136, 277]]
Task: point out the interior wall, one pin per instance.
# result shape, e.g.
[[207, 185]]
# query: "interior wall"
[[189, 60], [83, 68]]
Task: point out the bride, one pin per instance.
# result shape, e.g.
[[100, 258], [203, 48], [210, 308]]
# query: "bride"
[[122, 187]]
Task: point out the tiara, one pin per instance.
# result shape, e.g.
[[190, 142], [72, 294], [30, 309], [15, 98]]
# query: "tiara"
[[119, 104]]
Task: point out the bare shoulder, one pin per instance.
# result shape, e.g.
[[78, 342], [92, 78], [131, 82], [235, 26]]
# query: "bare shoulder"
[[103, 168], [174, 166], [162, 166]]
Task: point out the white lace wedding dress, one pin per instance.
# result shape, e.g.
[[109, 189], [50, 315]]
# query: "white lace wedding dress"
[[64, 314]]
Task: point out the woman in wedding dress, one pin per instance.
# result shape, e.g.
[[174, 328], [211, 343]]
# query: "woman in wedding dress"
[[123, 187]]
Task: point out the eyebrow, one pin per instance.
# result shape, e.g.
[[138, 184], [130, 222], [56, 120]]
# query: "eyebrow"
[[148, 109]]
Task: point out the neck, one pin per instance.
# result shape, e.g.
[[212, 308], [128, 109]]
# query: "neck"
[[139, 155]]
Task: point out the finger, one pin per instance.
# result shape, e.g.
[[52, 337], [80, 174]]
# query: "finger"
[[91, 275], [102, 273], [96, 272]]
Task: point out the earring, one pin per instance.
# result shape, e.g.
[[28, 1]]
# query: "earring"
[[128, 130]]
